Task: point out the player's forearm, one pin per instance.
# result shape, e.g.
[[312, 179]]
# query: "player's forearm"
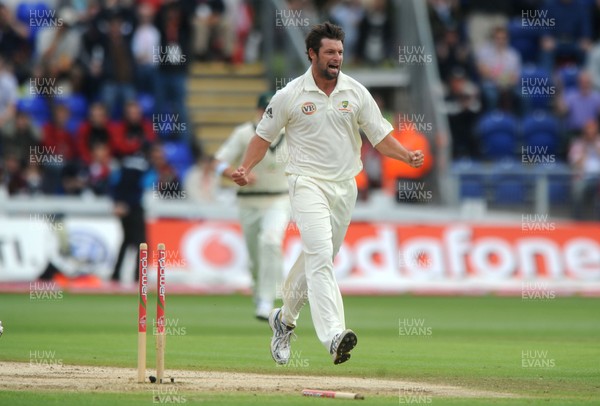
[[392, 148], [257, 148]]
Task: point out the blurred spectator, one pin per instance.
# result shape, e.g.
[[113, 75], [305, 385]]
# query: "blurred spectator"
[[214, 35], [92, 53], [444, 15], [162, 177], [60, 141], [452, 53], [21, 137], [593, 65], [133, 132], [13, 41], [100, 169], [376, 34], [580, 105], [127, 196], [482, 16], [499, 66], [8, 94], [146, 39], [173, 21], [570, 37], [348, 14], [57, 48], [584, 157], [97, 129], [12, 174], [200, 181], [118, 68], [463, 107]]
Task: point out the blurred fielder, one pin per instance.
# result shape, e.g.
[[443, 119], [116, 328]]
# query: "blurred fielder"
[[264, 207], [322, 112]]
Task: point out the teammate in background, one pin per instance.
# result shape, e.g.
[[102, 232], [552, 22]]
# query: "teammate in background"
[[322, 112], [264, 207]]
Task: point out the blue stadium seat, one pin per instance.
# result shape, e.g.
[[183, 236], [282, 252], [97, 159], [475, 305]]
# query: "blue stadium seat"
[[540, 133], [36, 16], [36, 107], [568, 76], [179, 156], [78, 105], [498, 133], [524, 40], [147, 104], [537, 88], [509, 184]]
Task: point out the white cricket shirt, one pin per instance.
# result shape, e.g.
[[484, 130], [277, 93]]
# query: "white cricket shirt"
[[323, 131], [270, 172]]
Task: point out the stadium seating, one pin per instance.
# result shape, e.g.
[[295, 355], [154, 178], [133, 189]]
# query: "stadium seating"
[[36, 107], [524, 40], [509, 185], [498, 133], [567, 75], [537, 88], [540, 133], [471, 177], [179, 156]]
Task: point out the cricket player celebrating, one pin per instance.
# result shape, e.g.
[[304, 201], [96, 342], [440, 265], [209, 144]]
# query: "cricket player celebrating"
[[264, 207], [322, 112]]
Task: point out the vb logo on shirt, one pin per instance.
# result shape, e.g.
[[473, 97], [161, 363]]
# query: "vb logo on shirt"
[[309, 108]]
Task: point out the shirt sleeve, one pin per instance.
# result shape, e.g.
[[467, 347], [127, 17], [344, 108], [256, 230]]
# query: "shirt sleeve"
[[274, 118], [232, 150], [371, 121]]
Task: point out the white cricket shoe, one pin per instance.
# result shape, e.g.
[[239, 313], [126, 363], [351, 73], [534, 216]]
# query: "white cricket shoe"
[[341, 345], [1, 328], [282, 335]]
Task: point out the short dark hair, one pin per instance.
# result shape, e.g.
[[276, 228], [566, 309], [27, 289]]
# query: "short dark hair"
[[320, 31]]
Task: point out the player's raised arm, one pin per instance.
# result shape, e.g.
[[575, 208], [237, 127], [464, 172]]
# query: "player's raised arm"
[[254, 154], [392, 148]]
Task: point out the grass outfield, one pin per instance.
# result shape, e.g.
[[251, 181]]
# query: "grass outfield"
[[544, 351]]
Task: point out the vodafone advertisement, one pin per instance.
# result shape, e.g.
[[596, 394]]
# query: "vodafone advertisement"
[[375, 257], [402, 257]]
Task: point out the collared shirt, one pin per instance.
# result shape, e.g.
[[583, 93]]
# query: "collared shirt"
[[270, 172], [323, 131]]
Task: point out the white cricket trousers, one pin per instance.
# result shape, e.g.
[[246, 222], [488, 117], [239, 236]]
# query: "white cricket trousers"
[[264, 221], [322, 211]]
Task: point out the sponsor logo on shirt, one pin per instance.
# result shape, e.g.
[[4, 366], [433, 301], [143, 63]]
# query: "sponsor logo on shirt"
[[309, 108], [269, 112]]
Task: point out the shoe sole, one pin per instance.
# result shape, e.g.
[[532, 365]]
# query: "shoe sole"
[[348, 342]]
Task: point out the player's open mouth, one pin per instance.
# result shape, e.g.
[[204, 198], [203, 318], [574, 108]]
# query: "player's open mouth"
[[335, 68]]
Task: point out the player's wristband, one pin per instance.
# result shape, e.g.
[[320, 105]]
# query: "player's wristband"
[[220, 168]]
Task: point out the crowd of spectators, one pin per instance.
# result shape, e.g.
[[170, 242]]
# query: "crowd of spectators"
[[522, 59], [80, 80]]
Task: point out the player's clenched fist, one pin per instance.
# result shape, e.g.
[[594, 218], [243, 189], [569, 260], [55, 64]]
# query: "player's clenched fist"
[[239, 176], [416, 158]]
